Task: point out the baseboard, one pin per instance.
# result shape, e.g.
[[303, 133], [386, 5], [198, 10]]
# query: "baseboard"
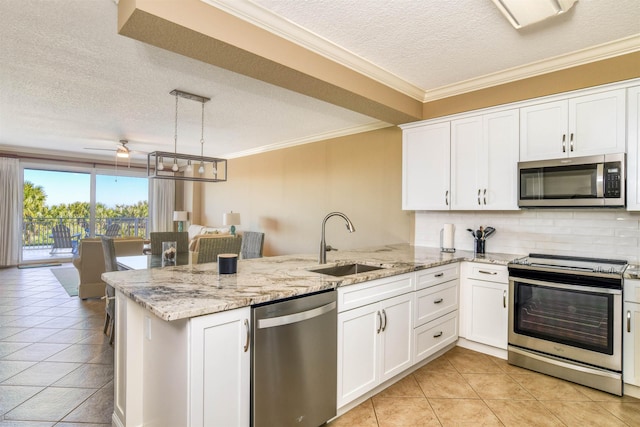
[[483, 348]]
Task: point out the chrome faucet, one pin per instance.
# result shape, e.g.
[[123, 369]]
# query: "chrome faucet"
[[323, 244]]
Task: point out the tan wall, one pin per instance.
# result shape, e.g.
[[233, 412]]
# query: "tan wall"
[[287, 193]]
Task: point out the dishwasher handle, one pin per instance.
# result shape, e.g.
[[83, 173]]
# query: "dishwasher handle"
[[296, 317]]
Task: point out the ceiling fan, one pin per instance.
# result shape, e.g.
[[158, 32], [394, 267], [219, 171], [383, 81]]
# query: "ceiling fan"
[[122, 151]]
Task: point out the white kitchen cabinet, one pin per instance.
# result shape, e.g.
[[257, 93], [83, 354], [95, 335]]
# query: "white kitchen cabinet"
[[436, 310], [631, 335], [425, 167], [580, 126], [484, 304], [374, 340], [484, 157], [188, 372], [633, 153]]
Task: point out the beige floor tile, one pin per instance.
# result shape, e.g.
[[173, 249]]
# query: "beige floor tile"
[[626, 411], [441, 364], [497, 386], [472, 363], [601, 396], [42, 374], [10, 423], [406, 387], [507, 368], [405, 411], [362, 415], [96, 409], [543, 387], [88, 375], [7, 348], [523, 413], [78, 353], [583, 414], [454, 412], [12, 396], [51, 404], [450, 385], [36, 352], [9, 368], [32, 335]]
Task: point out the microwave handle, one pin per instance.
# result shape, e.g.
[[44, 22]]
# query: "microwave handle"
[[600, 180]]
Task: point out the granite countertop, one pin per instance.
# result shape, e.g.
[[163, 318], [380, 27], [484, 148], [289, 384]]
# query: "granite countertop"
[[181, 292]]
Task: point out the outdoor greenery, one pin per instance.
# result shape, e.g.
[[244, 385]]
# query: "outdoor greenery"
[[39, 218]]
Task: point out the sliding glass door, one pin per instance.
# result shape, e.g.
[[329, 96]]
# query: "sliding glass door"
[[63, 205]]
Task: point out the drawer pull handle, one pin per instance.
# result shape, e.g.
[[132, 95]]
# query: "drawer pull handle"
[[628, 321], [438, 301], [438, 335], [246, 343], [493, 273], [504, 299], [384, 313], [379, 323], [438, 275]]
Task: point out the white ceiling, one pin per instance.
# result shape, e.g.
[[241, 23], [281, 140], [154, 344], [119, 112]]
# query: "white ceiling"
[[69, 81]]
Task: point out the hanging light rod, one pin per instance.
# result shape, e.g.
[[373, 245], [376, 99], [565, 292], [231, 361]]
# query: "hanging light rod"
[[190, 96], [210, 169]]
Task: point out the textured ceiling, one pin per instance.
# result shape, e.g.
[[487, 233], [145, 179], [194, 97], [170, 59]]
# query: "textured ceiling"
[[69, 81]]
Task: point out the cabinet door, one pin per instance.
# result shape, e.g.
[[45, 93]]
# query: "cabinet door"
[[488, 318], [220, 363], [597, 124], [633, 156], [358, 331], [631, 344], [468, 163], [499, 182], [396, 335], [543, 131], [425, 167]]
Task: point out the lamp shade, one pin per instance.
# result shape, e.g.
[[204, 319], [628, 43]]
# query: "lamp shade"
[[179, 215], [231, 218]]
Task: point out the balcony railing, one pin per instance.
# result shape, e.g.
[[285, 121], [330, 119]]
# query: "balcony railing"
[[36, 232]]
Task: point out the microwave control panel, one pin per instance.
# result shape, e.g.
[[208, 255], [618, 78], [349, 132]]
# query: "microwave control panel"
[[613, 180]]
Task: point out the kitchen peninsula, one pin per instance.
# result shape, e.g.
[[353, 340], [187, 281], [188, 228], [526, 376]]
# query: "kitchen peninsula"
[[182, 332]]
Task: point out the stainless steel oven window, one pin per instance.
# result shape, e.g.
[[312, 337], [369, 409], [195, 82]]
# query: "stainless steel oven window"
[[582, 319]]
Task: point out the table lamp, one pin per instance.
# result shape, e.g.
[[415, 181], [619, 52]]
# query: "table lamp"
[[232, 219], [181, 217]]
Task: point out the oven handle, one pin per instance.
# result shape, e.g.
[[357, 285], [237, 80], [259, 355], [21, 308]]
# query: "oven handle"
[[589, 289], [599, 180]]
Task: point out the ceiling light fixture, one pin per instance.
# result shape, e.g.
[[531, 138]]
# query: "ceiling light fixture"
[[521, 13], [182, 163]]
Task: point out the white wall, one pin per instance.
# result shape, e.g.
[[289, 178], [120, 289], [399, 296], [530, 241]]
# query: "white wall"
[[604, 233]]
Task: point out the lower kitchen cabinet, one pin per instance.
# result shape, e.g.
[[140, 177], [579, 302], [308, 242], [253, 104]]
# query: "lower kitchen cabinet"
[[631, 335], [374, 344], [484, 298], [190, 372]]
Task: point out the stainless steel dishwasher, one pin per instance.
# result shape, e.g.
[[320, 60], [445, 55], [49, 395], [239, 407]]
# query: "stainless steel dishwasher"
[[294, 361]]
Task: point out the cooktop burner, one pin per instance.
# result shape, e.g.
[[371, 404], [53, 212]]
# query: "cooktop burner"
[[576, 264]]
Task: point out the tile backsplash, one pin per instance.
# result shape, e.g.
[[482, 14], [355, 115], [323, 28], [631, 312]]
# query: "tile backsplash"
[[604, 233]]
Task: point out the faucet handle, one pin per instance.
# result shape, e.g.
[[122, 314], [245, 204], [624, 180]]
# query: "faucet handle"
[[330, 248]]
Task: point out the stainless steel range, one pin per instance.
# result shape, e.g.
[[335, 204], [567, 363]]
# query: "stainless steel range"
[[565, 318]]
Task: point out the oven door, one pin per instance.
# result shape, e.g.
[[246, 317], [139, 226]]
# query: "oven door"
[[579, 323]]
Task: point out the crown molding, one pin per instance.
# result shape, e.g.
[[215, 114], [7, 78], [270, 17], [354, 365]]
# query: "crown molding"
[[294, 33], [276, 24], [307, 140], [585, 56]]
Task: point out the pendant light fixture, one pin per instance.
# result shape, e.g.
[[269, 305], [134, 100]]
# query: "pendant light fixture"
[[182, 168]]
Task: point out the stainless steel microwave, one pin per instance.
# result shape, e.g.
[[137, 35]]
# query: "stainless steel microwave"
[[590, 181]]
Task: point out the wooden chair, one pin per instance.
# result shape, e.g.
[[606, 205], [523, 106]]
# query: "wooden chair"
[[62, 239], [110, 264], [252, 244], [181, 238], [113, 230], [209, 249]]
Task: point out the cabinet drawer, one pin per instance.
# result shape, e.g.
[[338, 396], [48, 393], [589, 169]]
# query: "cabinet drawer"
[[436, 275], [489, 272], [632, 290], [436, 301], [353, 296], [433, 336]]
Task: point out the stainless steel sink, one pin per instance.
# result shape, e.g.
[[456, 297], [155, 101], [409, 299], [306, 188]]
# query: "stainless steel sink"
[[346, 269]]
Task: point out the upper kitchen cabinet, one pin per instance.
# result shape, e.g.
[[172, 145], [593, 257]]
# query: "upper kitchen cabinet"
[[425, 167], [580, 126], [633, 155], [484, 158]]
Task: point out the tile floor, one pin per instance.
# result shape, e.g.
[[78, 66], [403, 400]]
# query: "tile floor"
[[56, 369], [56, 365]]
